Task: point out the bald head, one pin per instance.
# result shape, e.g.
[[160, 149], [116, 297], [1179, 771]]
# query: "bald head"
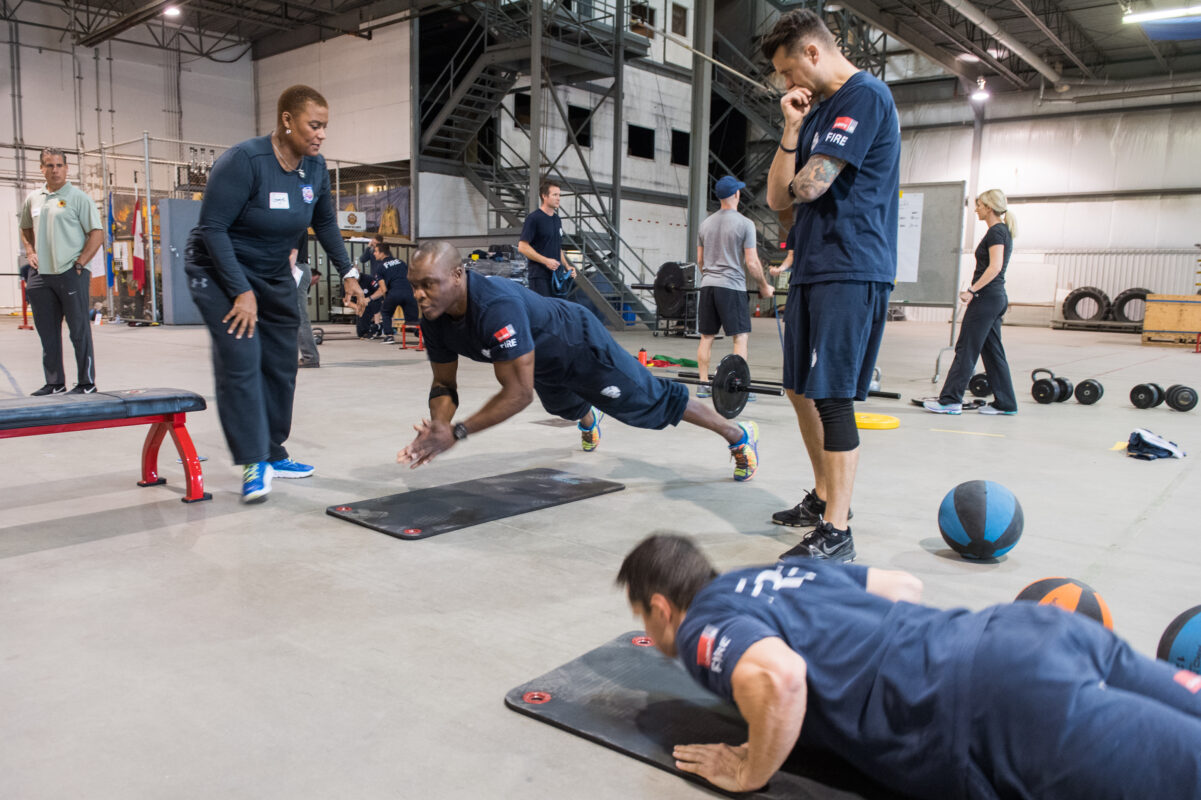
[[441, 254], [438, 279]]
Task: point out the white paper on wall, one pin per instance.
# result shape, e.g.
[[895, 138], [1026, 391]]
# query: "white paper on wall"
[[909, 236]]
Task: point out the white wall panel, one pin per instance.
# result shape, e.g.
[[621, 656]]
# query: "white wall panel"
[[366, 84], [933, 156], [449, 206], [657, 233]]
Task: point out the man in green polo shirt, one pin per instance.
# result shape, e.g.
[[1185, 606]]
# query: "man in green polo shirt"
[[61, 230]]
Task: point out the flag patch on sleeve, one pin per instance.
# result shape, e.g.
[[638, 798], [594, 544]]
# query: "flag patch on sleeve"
[[704, 647], [507, 332], [846, 124]]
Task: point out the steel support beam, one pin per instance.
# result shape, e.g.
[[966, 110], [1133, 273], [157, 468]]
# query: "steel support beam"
[[698, 156]]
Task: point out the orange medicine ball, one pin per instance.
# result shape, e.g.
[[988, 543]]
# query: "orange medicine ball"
[[1070, 595]]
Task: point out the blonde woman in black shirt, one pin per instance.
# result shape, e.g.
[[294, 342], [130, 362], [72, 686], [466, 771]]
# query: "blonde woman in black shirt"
[[980, 336]]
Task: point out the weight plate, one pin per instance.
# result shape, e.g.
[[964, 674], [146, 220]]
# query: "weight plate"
[[1160, 395], [669, 291], [1065, 389], [729, 387], [1089, 392], [1142, 396], [1044, 391], [979, 385], [875, 422], [1183, 399]]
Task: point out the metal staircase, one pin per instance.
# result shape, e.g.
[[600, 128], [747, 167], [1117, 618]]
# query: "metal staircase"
[[468, 93]]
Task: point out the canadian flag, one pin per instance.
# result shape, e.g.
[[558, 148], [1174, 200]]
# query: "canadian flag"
[[139, 247]]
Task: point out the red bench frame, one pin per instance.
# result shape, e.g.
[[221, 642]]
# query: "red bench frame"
[[160, 426]]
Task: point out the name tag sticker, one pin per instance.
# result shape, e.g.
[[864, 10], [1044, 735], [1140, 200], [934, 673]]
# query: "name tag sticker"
[[36, 212], [278, 200]]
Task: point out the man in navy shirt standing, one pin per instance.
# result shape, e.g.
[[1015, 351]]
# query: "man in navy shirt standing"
[[394, 282], [544, 346], [838, 167], [1020, 700], [542, 243]]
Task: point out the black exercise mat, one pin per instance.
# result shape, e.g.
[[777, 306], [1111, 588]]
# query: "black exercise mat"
[[422, 513], [628, 696]]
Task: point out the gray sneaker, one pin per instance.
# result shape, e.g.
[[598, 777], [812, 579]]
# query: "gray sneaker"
[[992, 411]]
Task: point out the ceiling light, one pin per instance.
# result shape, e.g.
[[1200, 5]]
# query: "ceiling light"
[[970, 58], [981, 94], [833, 8], [1169, 13], [171, 11]]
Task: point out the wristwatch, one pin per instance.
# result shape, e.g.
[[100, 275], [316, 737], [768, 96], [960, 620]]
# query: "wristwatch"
[[460, 431]]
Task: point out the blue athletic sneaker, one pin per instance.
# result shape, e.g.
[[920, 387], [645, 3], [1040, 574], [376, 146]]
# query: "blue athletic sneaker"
[[287, 468], [590, 437], [256, 482], [746, 452]]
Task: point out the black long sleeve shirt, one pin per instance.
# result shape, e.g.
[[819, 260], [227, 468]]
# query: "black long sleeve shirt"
[[253, 212]]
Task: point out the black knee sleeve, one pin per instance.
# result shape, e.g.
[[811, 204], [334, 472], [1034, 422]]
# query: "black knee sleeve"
[[838, 424]]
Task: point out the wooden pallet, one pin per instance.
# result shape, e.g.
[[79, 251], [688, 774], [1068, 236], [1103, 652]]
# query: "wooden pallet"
[[1172, 320]]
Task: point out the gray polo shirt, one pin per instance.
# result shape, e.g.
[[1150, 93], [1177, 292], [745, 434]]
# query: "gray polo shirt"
[[725, 235], [61, 222]]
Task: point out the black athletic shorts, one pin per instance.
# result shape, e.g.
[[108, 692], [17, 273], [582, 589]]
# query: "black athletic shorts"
[[719, 307]]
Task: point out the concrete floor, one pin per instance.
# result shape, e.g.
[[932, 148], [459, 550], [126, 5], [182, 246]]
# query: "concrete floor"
[[153, 649]]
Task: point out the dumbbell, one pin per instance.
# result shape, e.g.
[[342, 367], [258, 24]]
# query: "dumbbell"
[[1089, 391], [979, 385], [1181, 398], [1147, 395], [1050, 389]]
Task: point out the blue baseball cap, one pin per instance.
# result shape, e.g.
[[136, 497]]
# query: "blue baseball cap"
[[727, 186]]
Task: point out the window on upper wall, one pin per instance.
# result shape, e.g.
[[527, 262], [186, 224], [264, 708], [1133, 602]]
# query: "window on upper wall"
[[642, 19], [580, 120], [521, 107], [681, 147], [640, 141], [679, 19]]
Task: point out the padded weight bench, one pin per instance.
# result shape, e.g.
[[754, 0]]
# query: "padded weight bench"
[[164, 410]]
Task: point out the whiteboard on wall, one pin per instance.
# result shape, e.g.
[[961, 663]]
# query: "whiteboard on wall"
[[929, 240]]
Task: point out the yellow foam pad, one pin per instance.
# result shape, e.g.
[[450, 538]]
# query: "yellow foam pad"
[[875, 422]]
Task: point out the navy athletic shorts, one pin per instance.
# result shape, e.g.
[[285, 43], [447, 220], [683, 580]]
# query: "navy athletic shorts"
[[719, 307], [832, 335], [606, 376]]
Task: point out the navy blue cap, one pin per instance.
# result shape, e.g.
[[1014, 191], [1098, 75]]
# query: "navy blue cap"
[[727, 186]]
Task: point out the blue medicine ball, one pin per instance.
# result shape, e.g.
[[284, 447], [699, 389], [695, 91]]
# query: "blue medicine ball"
[[980, 519], [1180, 645]]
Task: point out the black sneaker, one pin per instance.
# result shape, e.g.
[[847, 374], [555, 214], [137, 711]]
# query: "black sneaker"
[[826, 543], [83, 388], [50, 388], [804, 514]]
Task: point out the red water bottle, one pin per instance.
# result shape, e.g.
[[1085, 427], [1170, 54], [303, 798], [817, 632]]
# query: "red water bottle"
[[642, 356]]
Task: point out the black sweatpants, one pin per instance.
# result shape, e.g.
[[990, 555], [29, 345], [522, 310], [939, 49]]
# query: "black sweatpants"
[[363, 325], [255, 377], [980, 338], [53, 297], [406, 302]]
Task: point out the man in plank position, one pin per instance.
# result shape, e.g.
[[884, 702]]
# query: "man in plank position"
[[545, 346], [1018, 700]]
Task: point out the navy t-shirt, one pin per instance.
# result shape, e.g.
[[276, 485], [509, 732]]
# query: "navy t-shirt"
[[544, 232], [253, 213], [395, 274], [850, 232], [997, 234], [505, 321], [886, 681]]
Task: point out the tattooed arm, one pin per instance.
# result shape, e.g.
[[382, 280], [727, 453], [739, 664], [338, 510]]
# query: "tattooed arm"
[[815, 177]]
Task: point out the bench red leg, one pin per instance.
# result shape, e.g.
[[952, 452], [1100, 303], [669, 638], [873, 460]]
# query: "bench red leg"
[[154, 438], [193, 472]]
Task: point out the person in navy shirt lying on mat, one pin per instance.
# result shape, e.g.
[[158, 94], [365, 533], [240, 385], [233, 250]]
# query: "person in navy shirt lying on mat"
[[1015, 701], [553, 348]]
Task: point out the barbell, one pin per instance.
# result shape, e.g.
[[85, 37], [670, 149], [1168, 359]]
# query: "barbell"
[[730, 385]]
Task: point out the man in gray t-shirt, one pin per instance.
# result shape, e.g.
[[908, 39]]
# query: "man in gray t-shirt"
[[725, 252]]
